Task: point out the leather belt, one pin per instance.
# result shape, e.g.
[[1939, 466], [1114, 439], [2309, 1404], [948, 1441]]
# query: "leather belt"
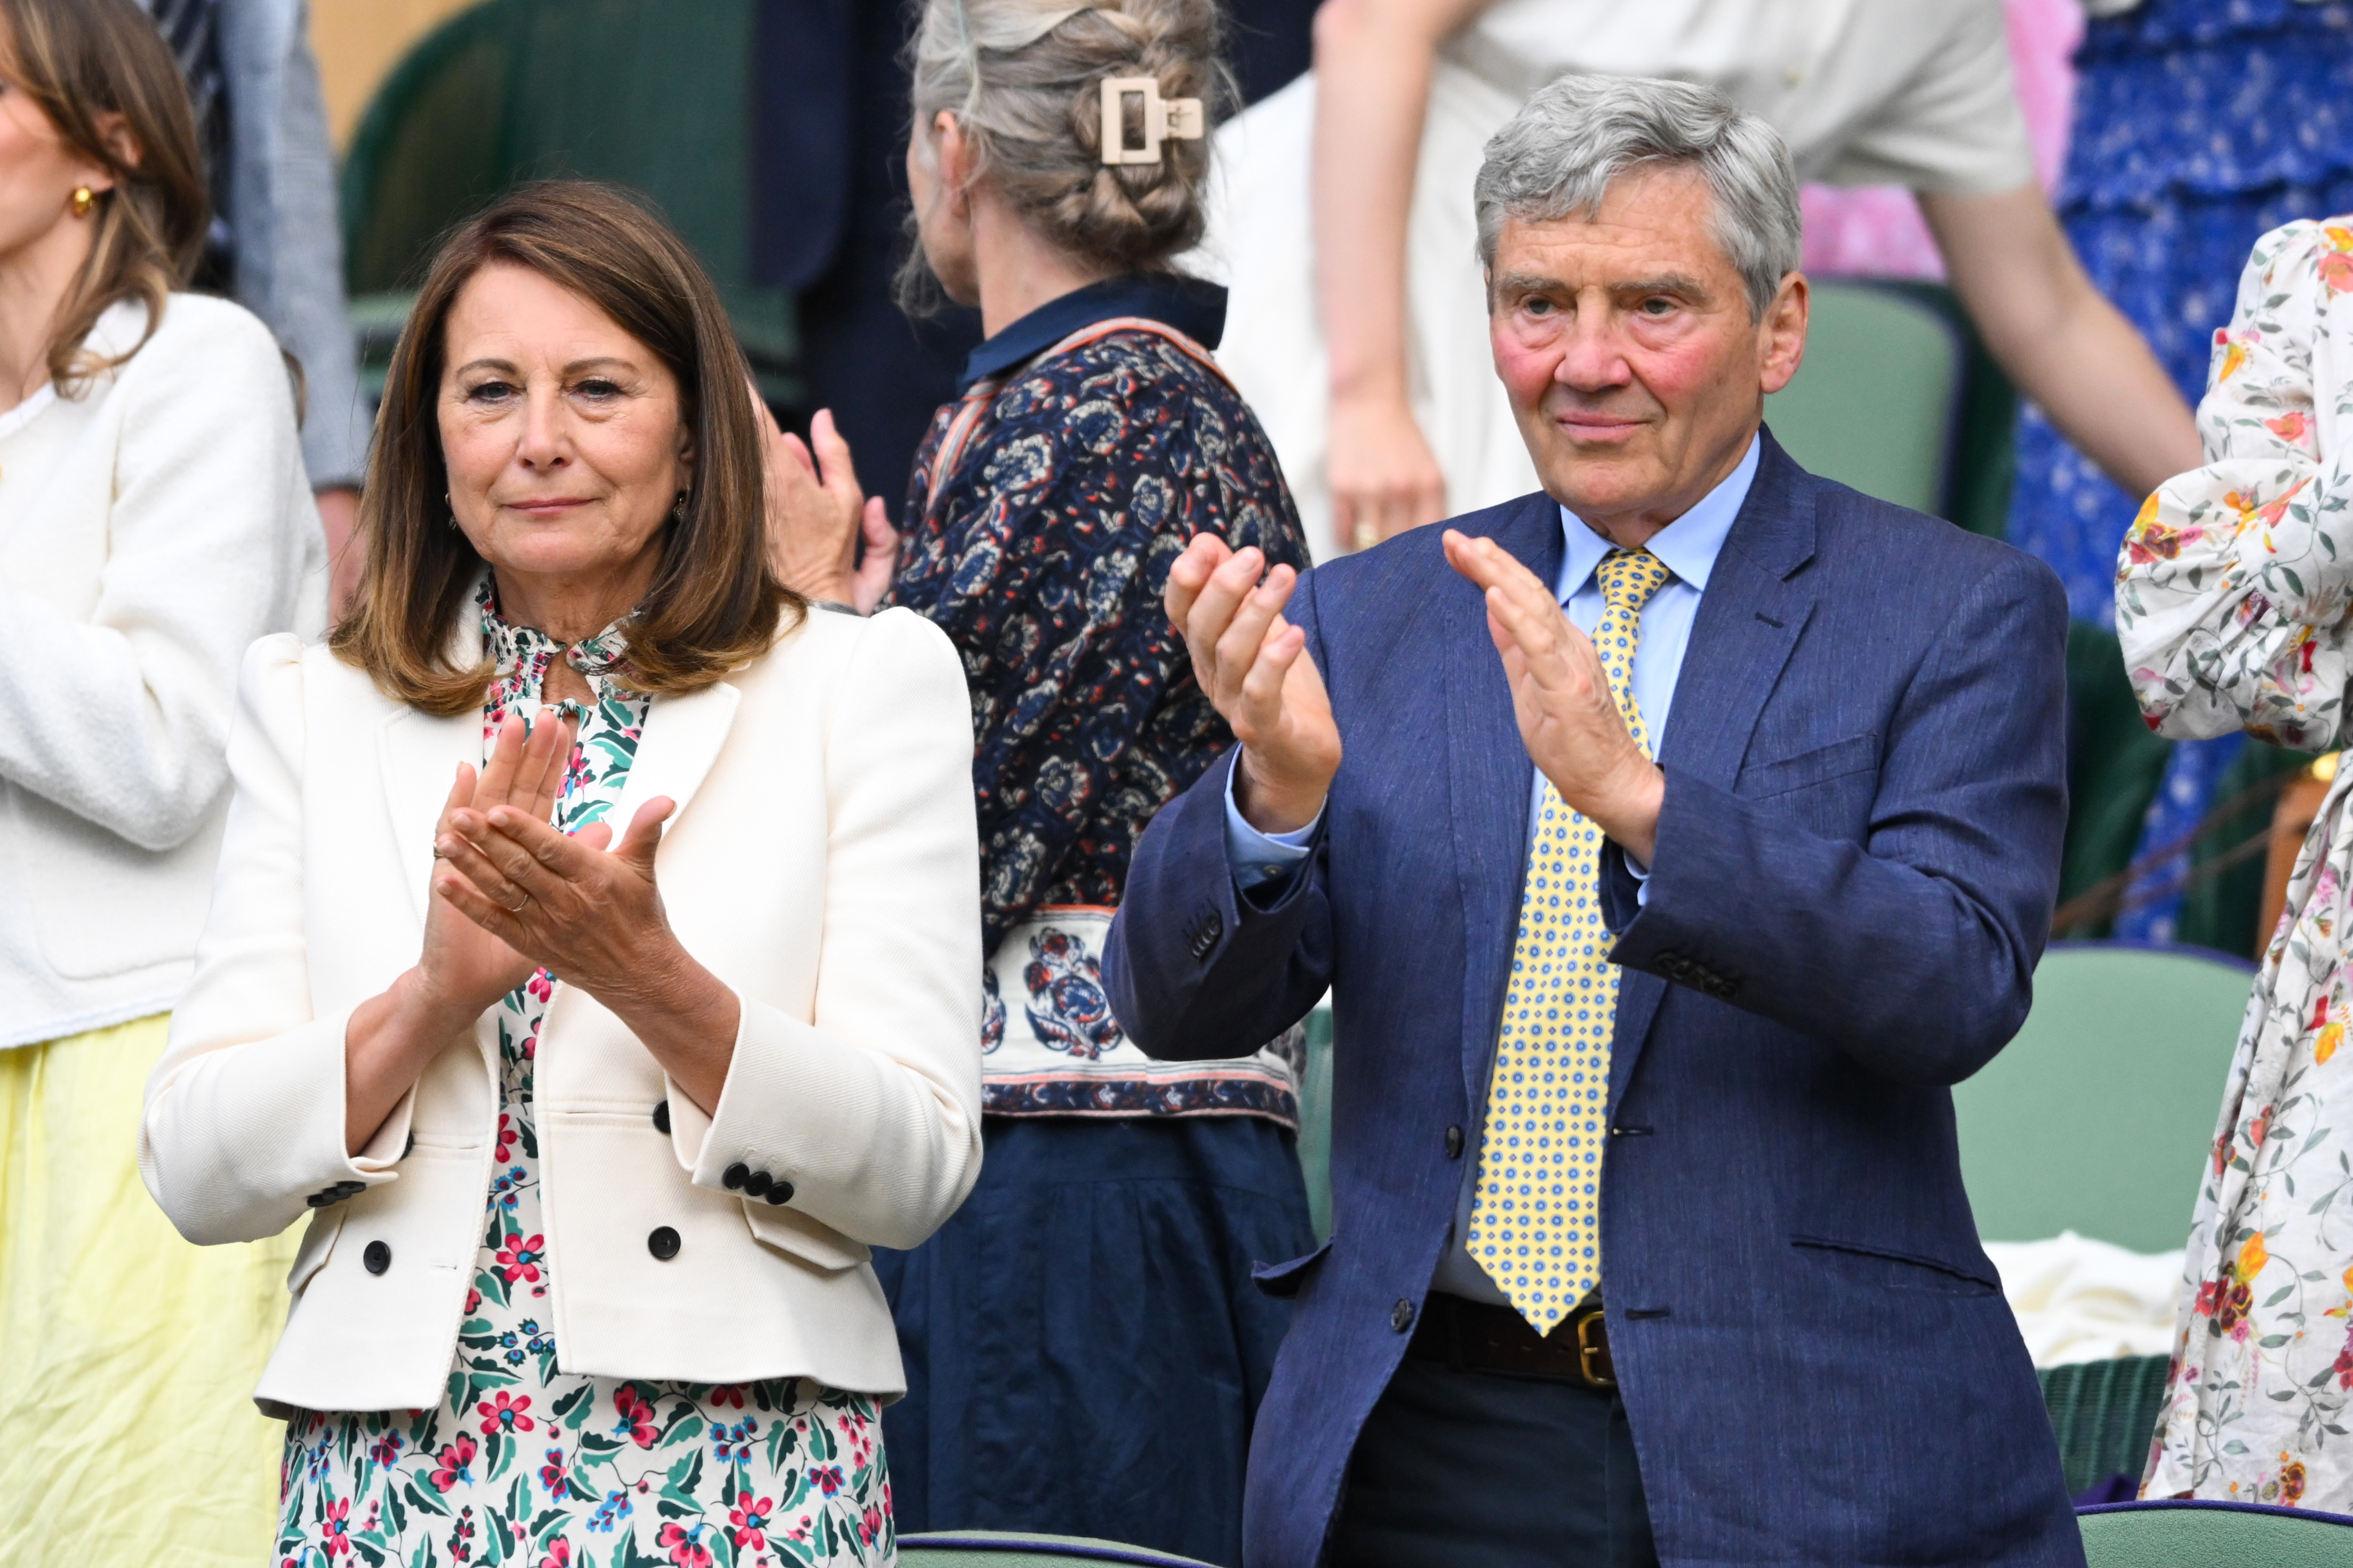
[[1478, 1336]]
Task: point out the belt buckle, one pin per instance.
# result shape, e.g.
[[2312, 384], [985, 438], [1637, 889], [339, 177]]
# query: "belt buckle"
[[1589, 1351]]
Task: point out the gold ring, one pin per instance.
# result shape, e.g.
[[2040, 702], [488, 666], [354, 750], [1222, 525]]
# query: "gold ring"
[[1367, 536], [439, 853], [517, 908]]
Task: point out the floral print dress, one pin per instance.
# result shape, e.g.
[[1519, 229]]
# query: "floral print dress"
[[2233, 595], [524, 1463]]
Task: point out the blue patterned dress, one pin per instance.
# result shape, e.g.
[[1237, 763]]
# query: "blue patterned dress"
[[2201, 126], [1084, 1346], [524, 1463]]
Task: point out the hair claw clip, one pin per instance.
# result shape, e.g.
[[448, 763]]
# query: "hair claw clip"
[[1163, 118]]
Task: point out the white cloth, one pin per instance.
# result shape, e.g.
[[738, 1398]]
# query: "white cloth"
[[151, 528], [1865, 92], [2081, 1299], [822, 863]]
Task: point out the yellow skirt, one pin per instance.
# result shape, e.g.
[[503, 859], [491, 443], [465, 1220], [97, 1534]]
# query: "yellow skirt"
[[128, 1358]]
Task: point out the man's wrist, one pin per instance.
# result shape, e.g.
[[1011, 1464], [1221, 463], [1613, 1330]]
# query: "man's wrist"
[[1275, 806], [1633, 820]]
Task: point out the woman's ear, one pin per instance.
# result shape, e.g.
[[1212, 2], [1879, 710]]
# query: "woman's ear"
[[114, 130], [959, 159]]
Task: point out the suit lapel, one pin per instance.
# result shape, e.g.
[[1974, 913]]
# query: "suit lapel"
[[681, 739], [417, 755], [1491, 778], [1749, 620]]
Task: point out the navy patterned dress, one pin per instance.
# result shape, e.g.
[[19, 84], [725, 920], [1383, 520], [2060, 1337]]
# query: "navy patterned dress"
[[1084, 1347]]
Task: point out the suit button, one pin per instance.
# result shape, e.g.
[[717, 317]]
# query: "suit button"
[[376, 1258], [1454, 1143], [662, 1242], [734, 1177], [759, 1184], [782, 1193], [1401, 1315], [661, 1119]]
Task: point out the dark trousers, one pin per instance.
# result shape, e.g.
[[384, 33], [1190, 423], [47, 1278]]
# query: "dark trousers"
[[1476, 1469]]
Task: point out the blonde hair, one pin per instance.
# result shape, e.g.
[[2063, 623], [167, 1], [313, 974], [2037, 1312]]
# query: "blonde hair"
[[1024, 78], [79, 61]]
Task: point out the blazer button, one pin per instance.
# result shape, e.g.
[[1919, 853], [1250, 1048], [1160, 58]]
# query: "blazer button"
[[1401, 1315], [661, 1119], [350, 1189], [759, 1184], [662, 1242], [1454, 1143], [782, 1193], [734, 1177], [376, 1258], [320, 1200]]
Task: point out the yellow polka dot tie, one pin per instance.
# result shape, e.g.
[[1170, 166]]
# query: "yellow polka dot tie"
[[1536, 1220]]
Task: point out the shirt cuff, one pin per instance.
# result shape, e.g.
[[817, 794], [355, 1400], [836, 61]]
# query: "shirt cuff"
[[1642, 875], [1257, 859]]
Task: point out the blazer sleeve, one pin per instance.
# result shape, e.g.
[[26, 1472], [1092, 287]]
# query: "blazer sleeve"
[[872, 1105], [1912, 949], [1195, 969], [243, 1113]]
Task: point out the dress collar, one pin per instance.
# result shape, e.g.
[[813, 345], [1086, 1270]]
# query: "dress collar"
[[1194, 308], [1689, 546], [516, 648]]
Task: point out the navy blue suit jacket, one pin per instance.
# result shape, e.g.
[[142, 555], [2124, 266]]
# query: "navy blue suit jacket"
[[1856, 862]]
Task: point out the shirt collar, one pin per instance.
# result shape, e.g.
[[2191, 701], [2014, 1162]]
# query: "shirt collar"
[[1689, 546], [1194, 308]]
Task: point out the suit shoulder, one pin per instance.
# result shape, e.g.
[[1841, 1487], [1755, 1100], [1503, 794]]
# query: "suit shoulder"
[[1865, 536]]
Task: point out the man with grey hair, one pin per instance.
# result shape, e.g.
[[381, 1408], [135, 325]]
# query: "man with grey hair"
[[1698, 826]]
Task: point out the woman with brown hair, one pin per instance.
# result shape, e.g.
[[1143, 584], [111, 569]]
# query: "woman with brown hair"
[[601, 1066], [155, 520]]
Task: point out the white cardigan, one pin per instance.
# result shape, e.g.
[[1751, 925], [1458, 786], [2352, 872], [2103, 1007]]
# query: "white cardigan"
[[150, 529], [824, 862]]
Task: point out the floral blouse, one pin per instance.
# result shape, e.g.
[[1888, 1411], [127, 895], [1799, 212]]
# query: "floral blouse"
[[2232, 591], [522, 1462]]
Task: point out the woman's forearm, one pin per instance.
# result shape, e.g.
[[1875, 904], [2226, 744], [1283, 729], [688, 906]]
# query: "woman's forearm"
[[390, 1041], [1373, 62], [685, 1015]]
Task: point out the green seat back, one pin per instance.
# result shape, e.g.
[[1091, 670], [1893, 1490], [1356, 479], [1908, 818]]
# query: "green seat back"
[[1014, 1549], [2103, 1412], [2208, 1535], [1876, 402], [1315, 1120], [2096, 1118], [645, 93]]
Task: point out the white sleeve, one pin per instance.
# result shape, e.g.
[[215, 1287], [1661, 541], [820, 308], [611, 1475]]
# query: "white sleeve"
[[245, 1112], [1955, 126], [872, 1109], [123, 718]]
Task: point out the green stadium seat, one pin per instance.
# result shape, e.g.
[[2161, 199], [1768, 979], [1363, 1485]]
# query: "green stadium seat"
[[2103, 1412], [2209, 1534], [1877, 401], [645, 93], [2097, 1117], [1014, 1549]]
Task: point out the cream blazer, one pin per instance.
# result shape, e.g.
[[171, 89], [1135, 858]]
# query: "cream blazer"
[[824, 862], [151, 527]]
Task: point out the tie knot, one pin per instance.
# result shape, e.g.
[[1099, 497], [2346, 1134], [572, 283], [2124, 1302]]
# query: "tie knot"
[[1629, 578]]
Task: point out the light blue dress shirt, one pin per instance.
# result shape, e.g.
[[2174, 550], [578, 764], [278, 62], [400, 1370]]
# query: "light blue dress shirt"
[[1689, 546]]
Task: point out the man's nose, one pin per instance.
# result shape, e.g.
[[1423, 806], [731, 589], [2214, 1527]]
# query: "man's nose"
[[1592, 358]]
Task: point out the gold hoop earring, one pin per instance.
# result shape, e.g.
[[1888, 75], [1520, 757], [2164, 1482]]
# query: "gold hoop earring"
[[84, 198]]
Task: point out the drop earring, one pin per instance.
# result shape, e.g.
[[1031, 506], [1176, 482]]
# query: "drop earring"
[[84, 198], [678, 507]]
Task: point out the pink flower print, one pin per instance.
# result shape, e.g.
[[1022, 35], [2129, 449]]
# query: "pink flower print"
[[541, 986], [728, 1393], [339, 1513], [637, 1416], [2292, 427], [508, 1137], [2336, 272], [551, 1474], [386, 1450], [559, 1555], [473, 1302], [685, 1549], [521, 1258], [827, 1478], [506, 1415], [870, 1526], [750, 1517], [456, 1464]]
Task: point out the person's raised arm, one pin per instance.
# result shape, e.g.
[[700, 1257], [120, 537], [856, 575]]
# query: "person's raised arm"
[[2064, 345], [1373, 62]]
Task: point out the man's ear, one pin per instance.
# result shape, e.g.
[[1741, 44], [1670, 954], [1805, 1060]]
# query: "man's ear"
[[1782, 333]]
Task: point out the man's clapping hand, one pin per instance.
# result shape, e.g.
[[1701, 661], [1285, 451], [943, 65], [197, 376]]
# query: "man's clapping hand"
[[1249, 661], [1560, 694]]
